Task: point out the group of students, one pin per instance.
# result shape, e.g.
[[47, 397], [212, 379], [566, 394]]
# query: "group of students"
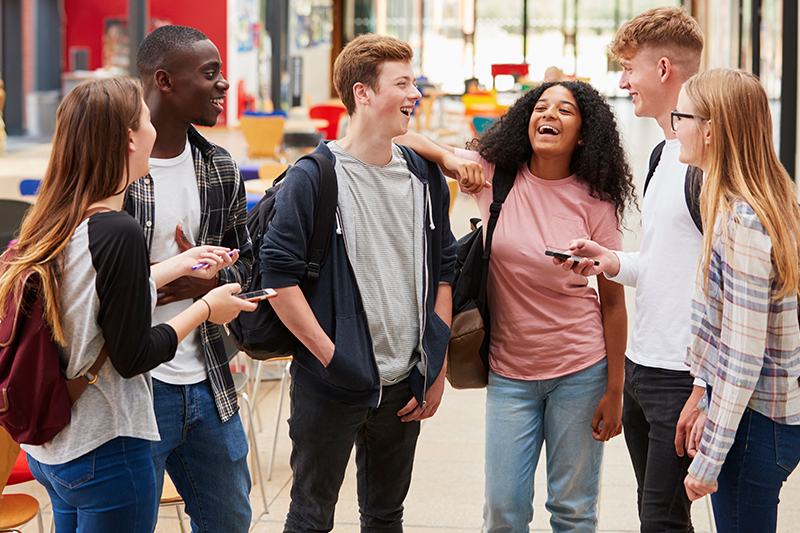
[[706, 391]]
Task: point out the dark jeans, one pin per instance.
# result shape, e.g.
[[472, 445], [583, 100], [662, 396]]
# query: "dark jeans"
[[110, 489], [206, 458], [323, 431], [763, 455], [651, 405]]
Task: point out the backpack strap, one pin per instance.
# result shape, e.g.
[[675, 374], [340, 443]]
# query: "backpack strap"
[[655, 157], [502, 183], [324, 216], [692, 185]]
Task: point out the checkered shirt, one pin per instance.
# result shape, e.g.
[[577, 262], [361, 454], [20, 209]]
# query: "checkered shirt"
[[745, 340], [222, 223]]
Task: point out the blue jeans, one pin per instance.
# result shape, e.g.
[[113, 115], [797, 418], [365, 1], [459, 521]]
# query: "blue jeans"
[[520, 416], [651, 405], [763, 455], [110, 489], [323, 432], [206, 459]]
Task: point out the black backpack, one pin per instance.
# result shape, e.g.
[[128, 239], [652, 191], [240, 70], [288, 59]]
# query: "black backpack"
[[260, 333], [692, 184], [464, 371]]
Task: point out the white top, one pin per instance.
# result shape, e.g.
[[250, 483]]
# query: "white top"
[[382, 211], [663, 271], [177, 202]]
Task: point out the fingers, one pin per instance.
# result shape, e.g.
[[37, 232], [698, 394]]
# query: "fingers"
[[183, 242], [409, 408], [680, 437]]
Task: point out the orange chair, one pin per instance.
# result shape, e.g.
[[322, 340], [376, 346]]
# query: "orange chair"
[[331, 113]]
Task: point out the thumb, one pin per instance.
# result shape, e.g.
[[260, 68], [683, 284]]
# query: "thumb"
[[183, 242]]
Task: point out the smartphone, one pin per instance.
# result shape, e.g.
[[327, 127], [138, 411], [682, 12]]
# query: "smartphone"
[[567, 256], [255, 296]]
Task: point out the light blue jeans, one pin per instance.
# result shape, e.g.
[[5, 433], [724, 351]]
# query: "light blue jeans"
[[520, 416]]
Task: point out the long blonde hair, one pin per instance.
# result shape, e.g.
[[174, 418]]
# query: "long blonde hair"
[[88, 163], [743, 165]]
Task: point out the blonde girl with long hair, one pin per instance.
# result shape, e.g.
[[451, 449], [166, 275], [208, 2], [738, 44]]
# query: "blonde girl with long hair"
[[745, 338], [99, 290]]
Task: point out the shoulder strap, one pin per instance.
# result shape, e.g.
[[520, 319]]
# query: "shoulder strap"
[[655, 157], [692, 185], [502, 183], [324, 214]]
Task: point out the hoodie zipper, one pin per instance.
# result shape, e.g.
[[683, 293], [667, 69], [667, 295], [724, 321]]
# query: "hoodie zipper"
[[340, 231], [425, 294]]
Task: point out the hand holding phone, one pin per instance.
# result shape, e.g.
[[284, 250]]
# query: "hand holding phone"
[[564, 257], [255, 296]]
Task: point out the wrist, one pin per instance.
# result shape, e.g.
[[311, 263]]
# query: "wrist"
[[612, 260]]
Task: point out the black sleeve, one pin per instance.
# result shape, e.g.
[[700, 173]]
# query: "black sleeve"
[[119, 256]]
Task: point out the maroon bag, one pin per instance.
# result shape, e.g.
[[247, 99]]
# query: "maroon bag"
[[34, 401]]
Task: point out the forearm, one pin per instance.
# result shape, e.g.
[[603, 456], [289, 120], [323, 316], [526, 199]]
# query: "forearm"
[[444, 303], [292, 308], [166, 271], [189, 319], [430, 150], [615, 332]]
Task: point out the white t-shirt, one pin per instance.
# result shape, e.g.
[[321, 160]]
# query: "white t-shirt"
[[177, 202], [663, 270]]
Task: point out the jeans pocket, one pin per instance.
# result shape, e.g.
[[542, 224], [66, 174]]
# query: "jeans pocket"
[[787, 446], [76, 472]]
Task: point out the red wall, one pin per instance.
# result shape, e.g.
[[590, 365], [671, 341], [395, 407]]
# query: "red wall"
[[84, 23]]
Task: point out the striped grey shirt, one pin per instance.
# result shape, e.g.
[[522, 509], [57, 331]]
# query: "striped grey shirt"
[[382, 210]]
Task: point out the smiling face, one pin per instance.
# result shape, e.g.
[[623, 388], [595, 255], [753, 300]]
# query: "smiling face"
[[693, 134], [198, 87], [641, 77], [391, 104], [554, 128]]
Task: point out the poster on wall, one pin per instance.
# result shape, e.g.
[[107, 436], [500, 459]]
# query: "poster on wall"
[[116, 47], [248, 27], [313, 22]]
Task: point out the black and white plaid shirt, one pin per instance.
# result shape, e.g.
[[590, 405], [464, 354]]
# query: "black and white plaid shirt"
[[222, 223]]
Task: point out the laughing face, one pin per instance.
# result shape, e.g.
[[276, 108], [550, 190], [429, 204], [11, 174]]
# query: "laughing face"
[[391, 104], [198, 85], [641, 77], [555, 125]]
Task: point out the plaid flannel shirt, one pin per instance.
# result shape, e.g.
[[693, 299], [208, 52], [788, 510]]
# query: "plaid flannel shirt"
[[222, 223], [745, 341]]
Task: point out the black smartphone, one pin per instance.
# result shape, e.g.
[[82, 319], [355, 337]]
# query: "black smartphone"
[[567, 256], [254, 296]]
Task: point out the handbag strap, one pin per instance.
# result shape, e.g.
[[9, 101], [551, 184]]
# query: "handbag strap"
[[75, 387], [502, 183]]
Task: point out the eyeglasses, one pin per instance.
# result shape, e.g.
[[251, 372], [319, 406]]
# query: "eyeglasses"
[[675, 118]]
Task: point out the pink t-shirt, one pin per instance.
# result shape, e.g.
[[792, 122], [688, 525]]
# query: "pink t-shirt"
[[545, 322]]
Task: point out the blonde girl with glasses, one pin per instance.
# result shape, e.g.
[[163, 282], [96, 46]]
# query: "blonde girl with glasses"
[[745, 340]]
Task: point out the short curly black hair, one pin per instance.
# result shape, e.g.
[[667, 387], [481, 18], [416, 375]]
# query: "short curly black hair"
[[599, 161]]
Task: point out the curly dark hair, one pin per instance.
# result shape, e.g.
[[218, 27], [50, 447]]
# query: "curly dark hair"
[[599, 161]]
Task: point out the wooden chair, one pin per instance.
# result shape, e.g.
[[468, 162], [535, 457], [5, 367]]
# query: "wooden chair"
[[263, 135], [16, 510]]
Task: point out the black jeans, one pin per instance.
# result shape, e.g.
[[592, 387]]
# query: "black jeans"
[[651, 405], [323, 431]]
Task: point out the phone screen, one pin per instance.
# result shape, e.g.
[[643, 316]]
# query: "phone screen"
[[254, 296]]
